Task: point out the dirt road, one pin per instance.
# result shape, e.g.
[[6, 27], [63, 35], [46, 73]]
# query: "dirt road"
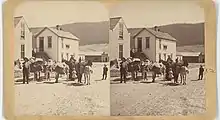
[[160, 98], [65, 97]]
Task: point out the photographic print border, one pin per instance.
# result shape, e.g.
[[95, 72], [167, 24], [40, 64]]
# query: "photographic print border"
[[210, 65]]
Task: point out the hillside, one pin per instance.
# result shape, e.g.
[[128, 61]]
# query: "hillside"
[[186, 34], [89, 33], [98, 32]]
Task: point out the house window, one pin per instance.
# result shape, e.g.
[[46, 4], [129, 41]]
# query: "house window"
[[165, 56], [139, 44], [121, 51], [49, 41], [147, 42], [67, 56], [160, 43], [61, 55], [165, 47], [22, 51], [159, 56], [171, 56], [22, 31], [67, 46], [62, 42], [121, 30]]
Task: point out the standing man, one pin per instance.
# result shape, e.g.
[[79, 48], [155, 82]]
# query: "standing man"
[[201, 71], [79, 70], [71, 67], [26, 70], [176, 71], [123, 70], [105, 72]]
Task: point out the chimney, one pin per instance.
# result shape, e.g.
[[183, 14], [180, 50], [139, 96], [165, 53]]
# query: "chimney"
[[155, 28], [58, 27]]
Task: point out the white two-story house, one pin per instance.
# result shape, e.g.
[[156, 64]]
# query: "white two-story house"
[[22, 39], [119, 39], [153, 43], [56, 43]]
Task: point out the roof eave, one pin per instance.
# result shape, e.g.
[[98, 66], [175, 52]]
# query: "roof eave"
[[69, 38]]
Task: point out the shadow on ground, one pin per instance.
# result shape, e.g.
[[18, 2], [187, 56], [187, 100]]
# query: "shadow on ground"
[[195, 80], [18, 83], [170, 84], [98, 80], [147, 82], [74, 84]]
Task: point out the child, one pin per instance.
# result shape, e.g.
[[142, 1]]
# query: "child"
[[105, 72], [201, 70], [170, 74]]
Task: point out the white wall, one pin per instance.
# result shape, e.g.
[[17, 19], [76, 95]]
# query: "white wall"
[[73, 50], [114, 42], [150, 52], [52, 52], [18, 41], [56, 50], [171, 48]]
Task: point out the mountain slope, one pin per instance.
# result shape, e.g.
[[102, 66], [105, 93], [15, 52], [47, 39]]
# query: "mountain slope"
[[89, 33], [98, 32], [186, 34]]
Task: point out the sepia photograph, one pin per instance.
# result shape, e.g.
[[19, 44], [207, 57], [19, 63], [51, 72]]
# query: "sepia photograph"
[[157, 58], [61, 58]]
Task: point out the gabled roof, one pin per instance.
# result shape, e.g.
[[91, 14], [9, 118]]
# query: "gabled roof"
[[59, 33], [136, 31], [113, 22], [36, 30], [191, 48], [189, 53], [95, 48], [17, 20]]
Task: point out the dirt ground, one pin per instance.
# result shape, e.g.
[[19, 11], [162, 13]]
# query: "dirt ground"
[[65, 97], [162, 98]]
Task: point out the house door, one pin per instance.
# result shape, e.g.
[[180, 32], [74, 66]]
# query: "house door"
[[121, 49], [139, 43], [41, 44]]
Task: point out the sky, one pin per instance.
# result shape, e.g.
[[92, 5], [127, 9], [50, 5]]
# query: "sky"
[[51, 13], [143, 13], [150, 13]]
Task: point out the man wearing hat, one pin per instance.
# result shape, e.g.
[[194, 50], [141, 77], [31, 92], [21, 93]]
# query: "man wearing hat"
[[26, 70]]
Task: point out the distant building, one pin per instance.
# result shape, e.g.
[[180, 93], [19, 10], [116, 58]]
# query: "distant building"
[[119, 39], [22, 39], [192, 53], [153, 43], [95, 52], [193, 57], [95, 56], [179, 56], [56, 44]]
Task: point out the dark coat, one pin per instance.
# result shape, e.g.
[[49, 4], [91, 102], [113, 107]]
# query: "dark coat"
[[105, 70], [80, 68]]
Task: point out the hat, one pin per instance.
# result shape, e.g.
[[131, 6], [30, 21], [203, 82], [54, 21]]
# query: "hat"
[[26, 59]]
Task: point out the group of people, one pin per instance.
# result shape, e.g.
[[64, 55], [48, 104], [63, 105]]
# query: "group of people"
[[71, 68], [169, 69]]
